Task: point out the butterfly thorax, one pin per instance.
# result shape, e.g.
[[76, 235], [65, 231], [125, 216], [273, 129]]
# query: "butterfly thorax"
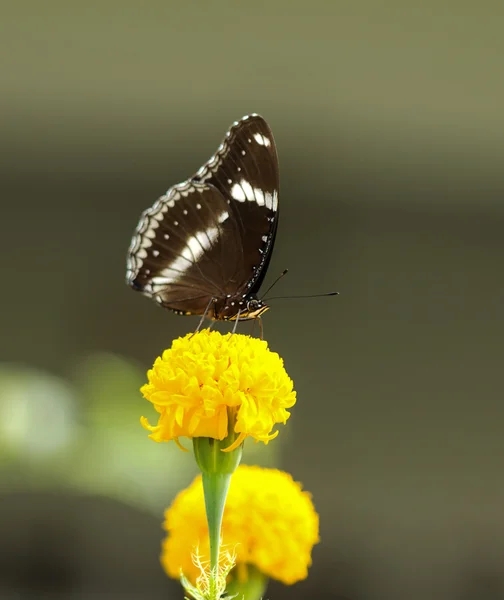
[[238, 307]]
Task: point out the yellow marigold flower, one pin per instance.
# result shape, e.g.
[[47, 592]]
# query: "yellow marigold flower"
[[207, 379], [269, 523]]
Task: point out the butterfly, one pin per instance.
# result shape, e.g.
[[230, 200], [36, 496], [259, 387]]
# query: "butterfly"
[[204, 247]]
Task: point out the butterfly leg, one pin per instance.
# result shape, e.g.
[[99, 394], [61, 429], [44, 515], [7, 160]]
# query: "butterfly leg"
[[261, 330], [236, 321], [204, 315]]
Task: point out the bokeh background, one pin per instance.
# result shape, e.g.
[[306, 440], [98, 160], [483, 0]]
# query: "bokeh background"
[[388, 121]]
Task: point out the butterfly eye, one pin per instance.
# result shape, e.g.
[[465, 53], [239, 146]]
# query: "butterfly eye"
[[253, 305]]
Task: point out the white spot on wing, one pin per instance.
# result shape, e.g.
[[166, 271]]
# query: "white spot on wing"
[[259, 196], [162, 279], [223, 217], [237, 193], [262, 140], [247, 189], [244, 191], [275, 201]]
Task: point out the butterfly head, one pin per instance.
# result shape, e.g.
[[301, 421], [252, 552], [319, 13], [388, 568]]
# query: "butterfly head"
[[244, 309], [254, 309]]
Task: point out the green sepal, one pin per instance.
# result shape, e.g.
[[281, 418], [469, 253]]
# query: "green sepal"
[[253, 588], [210, 456]]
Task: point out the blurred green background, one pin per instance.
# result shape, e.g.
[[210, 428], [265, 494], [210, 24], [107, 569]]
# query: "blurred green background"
[[389, 126]]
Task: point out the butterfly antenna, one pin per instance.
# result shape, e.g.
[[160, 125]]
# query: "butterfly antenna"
[[307, 296], [275, 282]]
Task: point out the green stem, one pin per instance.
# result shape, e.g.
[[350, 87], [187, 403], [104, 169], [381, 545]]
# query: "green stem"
[[215, 488], [217, 467]]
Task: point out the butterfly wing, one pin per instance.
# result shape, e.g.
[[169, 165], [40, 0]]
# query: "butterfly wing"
[[211, 237], [245, 170], [186, 249]]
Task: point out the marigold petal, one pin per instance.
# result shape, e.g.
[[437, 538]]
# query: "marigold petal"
[[177, 441], [236, 443], [179, 415], [146, 425]]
